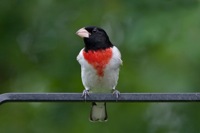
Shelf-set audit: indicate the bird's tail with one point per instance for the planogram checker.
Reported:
(98, 112)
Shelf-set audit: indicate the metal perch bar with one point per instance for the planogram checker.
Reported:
(76, 97)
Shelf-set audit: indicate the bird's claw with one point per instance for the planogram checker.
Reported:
(116, 93)
(85, 94)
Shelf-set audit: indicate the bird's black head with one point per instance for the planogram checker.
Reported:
(95, 38)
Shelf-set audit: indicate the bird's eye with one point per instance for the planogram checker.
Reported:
(94, 30)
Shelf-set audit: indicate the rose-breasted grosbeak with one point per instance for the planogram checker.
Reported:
(100, 62)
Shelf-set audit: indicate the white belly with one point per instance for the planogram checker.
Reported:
(94, 83)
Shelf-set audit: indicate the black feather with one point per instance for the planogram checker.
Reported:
(98, 39)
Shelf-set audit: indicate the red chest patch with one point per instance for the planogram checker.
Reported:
(98, 59)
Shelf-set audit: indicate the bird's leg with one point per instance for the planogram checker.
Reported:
(116, 93)
(85, 93)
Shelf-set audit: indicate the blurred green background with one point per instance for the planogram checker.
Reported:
(159, 42)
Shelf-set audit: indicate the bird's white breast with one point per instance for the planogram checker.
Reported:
(95, 83)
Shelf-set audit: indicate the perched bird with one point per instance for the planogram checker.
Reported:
(100, 61)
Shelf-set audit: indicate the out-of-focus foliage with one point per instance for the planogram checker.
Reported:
(159, 41)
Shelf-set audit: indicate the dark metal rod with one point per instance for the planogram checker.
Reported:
(76, 97)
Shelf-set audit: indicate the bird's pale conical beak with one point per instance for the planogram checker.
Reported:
(83, 33)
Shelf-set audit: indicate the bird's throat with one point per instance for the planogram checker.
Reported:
(98, 59)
